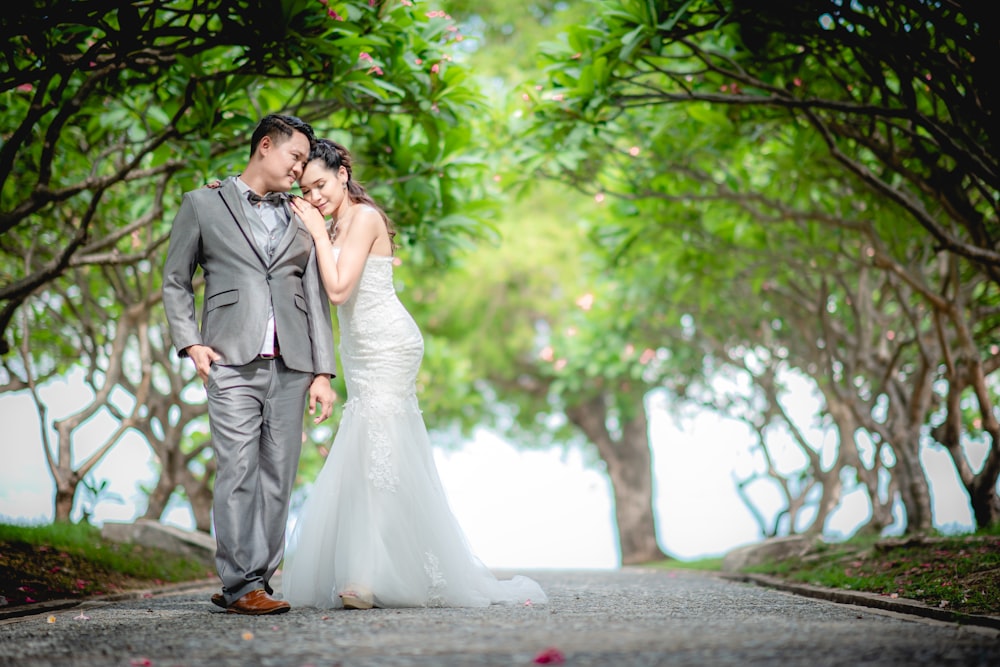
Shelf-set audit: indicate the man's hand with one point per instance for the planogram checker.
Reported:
(321, 392)
(203, 357)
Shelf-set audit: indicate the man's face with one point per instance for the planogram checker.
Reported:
(283, 162)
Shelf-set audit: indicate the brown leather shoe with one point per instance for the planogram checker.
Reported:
(219, 600)
(256, 603)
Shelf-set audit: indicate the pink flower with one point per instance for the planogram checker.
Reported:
(550, 656)
(376, 70)
(435, 68)
(364, 55)
(335, 16)
(25, 87)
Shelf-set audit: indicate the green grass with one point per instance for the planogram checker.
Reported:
(961, 573)
(956, 572)
(70, 560)
(702, 564)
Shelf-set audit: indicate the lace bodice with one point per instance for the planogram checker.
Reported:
(380, 345)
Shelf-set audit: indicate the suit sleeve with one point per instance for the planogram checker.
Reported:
(320, 328)
(178, 272)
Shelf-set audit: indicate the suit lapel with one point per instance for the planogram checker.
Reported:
(231, 197)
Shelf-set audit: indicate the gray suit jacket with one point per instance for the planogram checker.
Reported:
(211, 230)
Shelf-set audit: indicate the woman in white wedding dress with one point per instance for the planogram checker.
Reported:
(376, 528)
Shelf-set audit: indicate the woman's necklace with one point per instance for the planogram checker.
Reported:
(344, 217)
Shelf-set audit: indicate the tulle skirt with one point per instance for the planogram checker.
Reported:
(377, 520)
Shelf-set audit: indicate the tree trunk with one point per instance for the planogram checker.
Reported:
(980, 486)
(200, 498)
(158, 499)
(985, 502)
(913, 488)
(64, 502)
(630, 470)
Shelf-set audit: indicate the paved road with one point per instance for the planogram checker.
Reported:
(621, 618)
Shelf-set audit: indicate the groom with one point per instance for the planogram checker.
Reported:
(265, 340)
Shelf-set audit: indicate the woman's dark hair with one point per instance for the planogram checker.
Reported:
(280, 128)
(335, 156)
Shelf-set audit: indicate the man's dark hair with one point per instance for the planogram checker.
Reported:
(280, 128)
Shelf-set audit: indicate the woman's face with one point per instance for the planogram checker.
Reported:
(324, 188)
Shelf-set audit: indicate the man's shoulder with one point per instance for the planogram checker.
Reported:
(208, 192)
(205, 192)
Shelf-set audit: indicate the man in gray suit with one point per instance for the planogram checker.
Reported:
(265, 341)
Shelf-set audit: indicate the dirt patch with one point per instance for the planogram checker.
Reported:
(37, 573)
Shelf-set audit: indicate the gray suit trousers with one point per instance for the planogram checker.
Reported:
(255, 415)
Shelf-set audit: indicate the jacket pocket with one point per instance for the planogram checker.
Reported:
(300, 303)
(226, 298)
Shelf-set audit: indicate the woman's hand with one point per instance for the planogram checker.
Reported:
(312, 218)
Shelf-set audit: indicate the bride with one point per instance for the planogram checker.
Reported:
(376, 529)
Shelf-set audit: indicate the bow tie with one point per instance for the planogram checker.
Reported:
(273, 198)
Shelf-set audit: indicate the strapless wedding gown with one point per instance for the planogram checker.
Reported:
(376, 518)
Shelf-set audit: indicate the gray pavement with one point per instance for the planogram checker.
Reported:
(609, 618)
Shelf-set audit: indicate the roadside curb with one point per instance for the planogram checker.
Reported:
(864, 599)
(40, 608)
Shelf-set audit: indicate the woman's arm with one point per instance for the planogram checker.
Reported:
(340, 275)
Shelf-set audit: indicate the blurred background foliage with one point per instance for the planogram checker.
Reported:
(603, 205)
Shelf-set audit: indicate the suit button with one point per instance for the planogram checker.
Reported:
(269, 276)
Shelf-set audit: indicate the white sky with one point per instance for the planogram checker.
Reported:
(519, 509)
